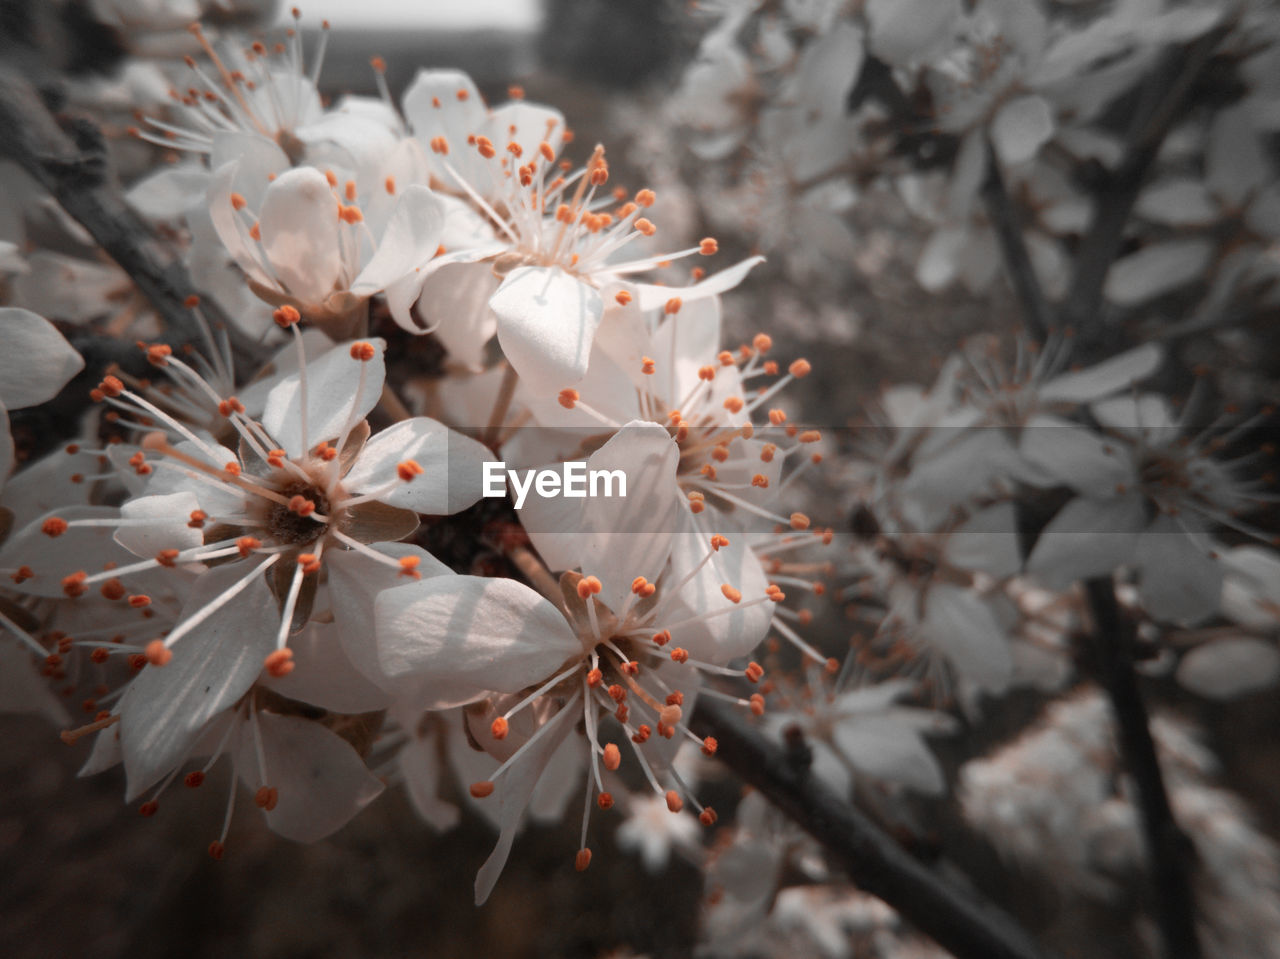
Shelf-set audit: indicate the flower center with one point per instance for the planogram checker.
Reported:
(292, 524)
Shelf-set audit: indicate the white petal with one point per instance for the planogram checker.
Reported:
(1102, 379)
(1087, 461)
(889, 750)
(546, 322)
(320, 780)
(651, 297)
(299, 224)
(1087, 538)
(451, 638)
(169, 192)
(1230, 668)
(331, 398)
(619, 538)
(525, 124)
(167, 524)
(962, 626)
(736, 629)
(323, 675)
(446, 103)
(1178, 201)
(904, 30)
(452, 467)
(86, 548)
(988, 541)
(1251, 593)
(355, 581)
(410, 240)
(1180, 581)
(1021, 128)
(1157, 269)
(165, 708)
(36, 362)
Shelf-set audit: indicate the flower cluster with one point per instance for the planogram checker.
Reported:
(256, 538)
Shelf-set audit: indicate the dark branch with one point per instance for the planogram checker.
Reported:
(1159, 103)
(1037, 316)
(959, 920)
(73, 168)
(1170, 853)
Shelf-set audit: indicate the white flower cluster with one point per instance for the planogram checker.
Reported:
(232, 549)
(272, 548)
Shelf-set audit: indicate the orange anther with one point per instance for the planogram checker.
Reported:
(363, 351)
(622, 297)
(674, 802)
(810, 436)
(409, 567)
(140, 601)
(286, 316)
(799, 368)
(612, 757)
(499, 728)
(148, 809)
(279, 663)
(757, 704)
(646, 227)
(157, 653)
(754, 671)
(229, 406)
(662, 637)
(708, 246)
(247, 544)
(301, 505)
(708, 816)
(777, 417)
(193, 780)
(486, 148)
(408, 469)
(112, 589)
(595, 678)
(481, 789)
(672, 306)
(350, 214)
(670, 714)
(568, 398)
(734, 404)
(73, 585)
(582, 860)
(238, 202)
(266, 798)
(731, 594)
(709, 746)
(54, 526)
(605, 801)
(718, 541)
(379, 65)
(680, 655)
(646, 198)
(217, 850)
(760, 480)
(309, 562)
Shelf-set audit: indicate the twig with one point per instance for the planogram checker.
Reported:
(1170, 853)
(1169, 84)
(1036, 314)
(960, 921)
(73, 170)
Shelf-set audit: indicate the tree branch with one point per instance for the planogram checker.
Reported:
(1159, 104)
(74, 170)
(1170, 853)
(1037, 316)
(960, 921)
